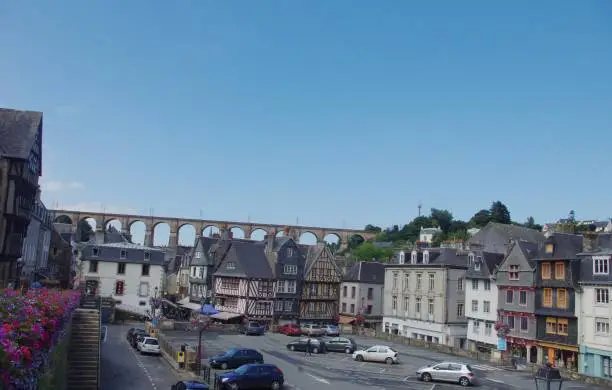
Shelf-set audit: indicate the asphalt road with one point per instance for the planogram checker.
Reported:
(122, 367)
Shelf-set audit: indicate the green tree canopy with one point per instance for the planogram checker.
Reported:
(84, 231)
(368, 252)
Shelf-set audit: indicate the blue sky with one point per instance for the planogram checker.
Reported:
(339, 113)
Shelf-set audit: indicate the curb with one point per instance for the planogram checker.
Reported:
(180, 373)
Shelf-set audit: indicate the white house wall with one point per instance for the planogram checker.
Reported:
(481, 295)
(587, 311)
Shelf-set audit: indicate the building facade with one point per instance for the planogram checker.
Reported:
(319, 299)
(131, 274)
(481, 297)
(35, 251)
(287, 261)
(424, 296)
(20, 170)
(362, 292)
(593, 306)
(201, 267)
(557, 276)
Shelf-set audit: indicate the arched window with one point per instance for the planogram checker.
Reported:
(426, 257)
(402, 257)
(413, 257)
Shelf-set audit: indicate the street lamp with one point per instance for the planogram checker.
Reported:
(546, 376)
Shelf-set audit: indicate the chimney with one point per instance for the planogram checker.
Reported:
(269, 239)
(227, 234)
(589, 241)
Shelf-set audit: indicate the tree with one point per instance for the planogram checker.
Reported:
(368, 251)
(530, 223)
(480, 219)
(442, 218)
(499, 213)
(372, 229)
(84, 231)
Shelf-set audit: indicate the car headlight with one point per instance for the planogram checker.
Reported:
(224, 379)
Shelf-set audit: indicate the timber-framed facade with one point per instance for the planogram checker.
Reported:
(320, 291)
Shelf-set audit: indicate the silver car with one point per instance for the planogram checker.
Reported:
(448, 372)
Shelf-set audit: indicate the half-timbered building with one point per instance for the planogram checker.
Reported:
(20, 169)
(320, 285)
(243, 280)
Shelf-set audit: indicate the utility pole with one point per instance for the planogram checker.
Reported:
(420, 206)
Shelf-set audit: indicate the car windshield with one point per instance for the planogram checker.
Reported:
(152, 342)
(230, 352)
(242, 370)
(332, 327)
(316, 327)
(253, 324)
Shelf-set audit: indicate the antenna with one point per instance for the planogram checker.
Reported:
(201, 214)
(420, 206)
(297, 221)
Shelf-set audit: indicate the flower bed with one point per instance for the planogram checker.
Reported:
(31, 325)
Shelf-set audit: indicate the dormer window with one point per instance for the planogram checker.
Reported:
(289, 252)
(413, 257)
(95, 252)
(426, 257)
(230, 265)
(123, 254)
(477, 266)
(402, 257)
(198, 255)
(550, 248)
(470, 259)
(147, 255)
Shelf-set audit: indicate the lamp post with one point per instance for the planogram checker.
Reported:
(548, 378)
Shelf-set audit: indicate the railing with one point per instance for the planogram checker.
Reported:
(99, 304)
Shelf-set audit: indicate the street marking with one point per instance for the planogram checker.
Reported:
(316, 378)
(105, 334)
(496, 381)
(433, 387)
(361, 365)
(142, 366)
(382, 370)
(346, 358)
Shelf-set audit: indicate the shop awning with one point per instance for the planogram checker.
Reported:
(133, 310)
(192, 306)
(224, 315)
(345, 320)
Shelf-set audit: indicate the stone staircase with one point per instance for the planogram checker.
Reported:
(84, 355)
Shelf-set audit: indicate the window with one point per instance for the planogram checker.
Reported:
(280, 286)
(432, 281)
(288, 306)
(353, 292)
(547, 297)
(470, 259)
(562, 326)
(487, 285)
(474, 284)
(120, 268)
(406, 281)
(509, 296)
(289, 252)
(546, 271)
(602, 326)
(486, 307)
(606, 362)
(417, 306)
(147, 255)
(476, 328)
(488, 328)
(550, 248)
(230, 265)
(460, 284)
(145, 269)
(551, 325)
(143, 289)
(95, 252)
(562, 298)
(369, 309)
(394, 281)
(406, 304)
(370, 293)
(524, 324)
(413, 257)
(291, 286)
(123, 254)
(460, 310)
(278, 306)
(474, 305)
(513, 272)
(352, 308)
(394, 303)
(560, 270)
(510, 322)
(523, 298)
(602, 295)
(477, 266)
(418, 282)
(401, 257)
(344, 291)
(230, 283)
(265, 287)
(430, 309)
(93, 266)
(601, 265)
(119, 287)
(344, 307)
(290, 269)
(426, 257)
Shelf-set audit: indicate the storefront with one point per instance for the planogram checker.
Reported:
(522, 349)
(595, 362)
(560, 355)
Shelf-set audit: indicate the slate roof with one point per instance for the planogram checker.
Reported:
(18, 131)
(250, 256)
(495, 237)
(203, 243)
(488, 265)
(602, 247)
(566, 246)
(112, 253)
(529, 250)
(438, 257)
(366, 272)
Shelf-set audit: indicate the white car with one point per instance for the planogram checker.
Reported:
(149, 345)
(377, 353)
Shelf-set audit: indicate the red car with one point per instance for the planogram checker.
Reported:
(290, 330)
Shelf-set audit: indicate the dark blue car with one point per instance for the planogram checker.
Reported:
(189, 385)
(252, 376)
(255, 329)
(235, 357)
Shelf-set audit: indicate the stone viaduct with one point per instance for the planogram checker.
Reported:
(199, 225)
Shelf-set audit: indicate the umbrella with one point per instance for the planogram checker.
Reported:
(208, 310)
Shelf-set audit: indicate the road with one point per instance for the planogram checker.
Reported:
(122, 367)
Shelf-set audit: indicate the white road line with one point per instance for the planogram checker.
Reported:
(432, 387)
(496, 381)
(105, 334)
(142, 366)
(345, 358)
(316, 378)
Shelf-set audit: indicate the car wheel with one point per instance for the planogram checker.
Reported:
(348, 350)
(224, 366)
(463, 381)
(389, 361)
(359, 358)
(292, 348)
(275, 385)
(426, 377)
(315, 350)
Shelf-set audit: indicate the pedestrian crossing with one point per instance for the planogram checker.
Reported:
(485, 367)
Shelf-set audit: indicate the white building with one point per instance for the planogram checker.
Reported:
(129, 273)
(424, 296)
(481, 296)
(362, 292)
(427, 234)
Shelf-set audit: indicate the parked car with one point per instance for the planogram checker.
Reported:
(149, 345)
(189, 385)
(316, 345)
(253, 376)
(235, 357)
(138, 337)
(340, 344)
(448, 372)
(331, 330)
(132, 332)
(377, 353)
(312, 330)
(254, 328)
(290, 330)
